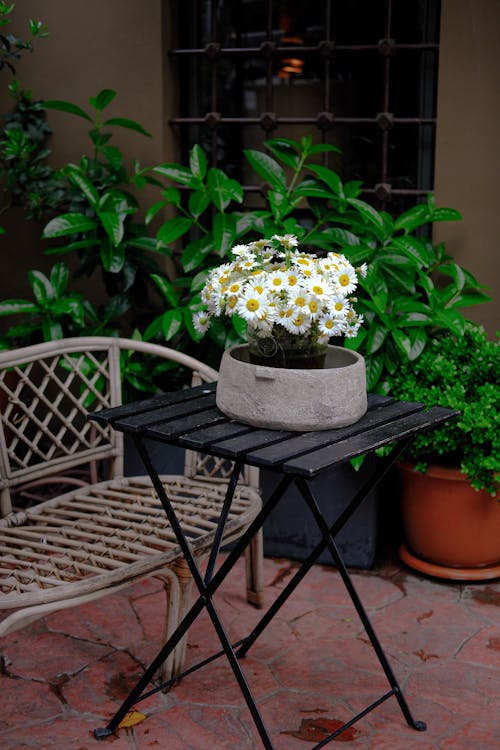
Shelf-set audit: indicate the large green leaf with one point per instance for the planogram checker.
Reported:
(124, 122)
(415, 217)
(369, 214)
(376, 286)
(455, 272)
(198, 203)
(224, 232)
(166, 288)
(171, 323)
(51, 329)
(222, 189)
(113, 258)
(68, 224)
(446, 214)
(267, 168)
(413, 247)
(17, 306)
(195, 253)
(115, 157)
(329, 177)
(59, 277)
(62, 106)
(402, 342)
(310, 187)
(113, 226)
(376, 336)
(102, 99)
(42, 288)
(177, 173)
(77, 178)
(173, 229)
(285, 150)
(198, 162)
(374, 367)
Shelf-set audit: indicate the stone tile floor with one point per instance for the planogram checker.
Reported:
(68, 673)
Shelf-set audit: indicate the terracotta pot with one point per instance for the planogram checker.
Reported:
(451, 530)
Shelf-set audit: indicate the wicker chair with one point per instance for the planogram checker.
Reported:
(98, 536)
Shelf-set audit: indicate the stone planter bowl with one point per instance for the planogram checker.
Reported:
(287, 399)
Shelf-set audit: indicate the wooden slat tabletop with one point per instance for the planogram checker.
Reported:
(190, 418)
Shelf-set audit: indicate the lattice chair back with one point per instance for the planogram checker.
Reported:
(46, 392)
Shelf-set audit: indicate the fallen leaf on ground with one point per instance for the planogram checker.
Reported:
(131, 719)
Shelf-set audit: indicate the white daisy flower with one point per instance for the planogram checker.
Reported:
(362, 270)
(298, 323)
(240, 250)
(252, 304)
(330, 326)
(314, 307)
(339, 306)
(319, 287)
(292, 278)
(345, 278)
(201, 322)
(287, 240)
(276, 281)
(299, 297)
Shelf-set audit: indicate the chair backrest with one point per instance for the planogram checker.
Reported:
(46, 392)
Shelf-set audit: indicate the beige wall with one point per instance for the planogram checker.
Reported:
(93, 44)
(467, 150)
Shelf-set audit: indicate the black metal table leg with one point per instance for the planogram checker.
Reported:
(310, 560)
(206, 588)
(351, 590)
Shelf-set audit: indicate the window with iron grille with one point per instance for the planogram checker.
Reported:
(359, 74)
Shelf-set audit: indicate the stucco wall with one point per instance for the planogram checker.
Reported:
(467, 152)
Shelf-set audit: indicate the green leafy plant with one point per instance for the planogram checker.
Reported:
(98, 224)
(413, 289)
(460, 372)
(53, 311)
(29, 181)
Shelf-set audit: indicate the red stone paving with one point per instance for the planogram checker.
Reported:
(65, 675)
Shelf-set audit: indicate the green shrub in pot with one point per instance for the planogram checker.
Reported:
(463, 373)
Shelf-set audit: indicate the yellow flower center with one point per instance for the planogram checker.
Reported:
(344, 279)
(232, 301)
(318, 289)
(328, 324)
(292, 280)
(300, 301)
(339, 306)
(234, 287)
(313, 306)
(252, 305)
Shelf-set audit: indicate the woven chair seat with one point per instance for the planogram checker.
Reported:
(85, 538)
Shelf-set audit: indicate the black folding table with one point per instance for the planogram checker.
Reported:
(190, 419)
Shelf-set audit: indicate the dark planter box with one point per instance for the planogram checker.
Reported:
(290, 531)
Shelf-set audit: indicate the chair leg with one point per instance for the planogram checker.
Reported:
(185, 583)
(172, 616)
(254, 556)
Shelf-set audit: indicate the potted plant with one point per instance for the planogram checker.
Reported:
(450, 477)
(291, 303)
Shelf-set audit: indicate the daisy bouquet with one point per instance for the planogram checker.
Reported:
(290, 299)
